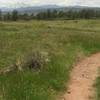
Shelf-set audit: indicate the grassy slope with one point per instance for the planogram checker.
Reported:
(62, 40)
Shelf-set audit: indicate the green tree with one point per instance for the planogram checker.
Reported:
(15, 15)
(54, 13)
(0, 15)
(8, 16)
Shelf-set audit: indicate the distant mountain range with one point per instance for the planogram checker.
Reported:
(31, 8)
(36, 9)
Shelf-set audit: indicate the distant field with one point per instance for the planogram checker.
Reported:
(64, 41)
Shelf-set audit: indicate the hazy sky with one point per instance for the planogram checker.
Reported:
(15, 3)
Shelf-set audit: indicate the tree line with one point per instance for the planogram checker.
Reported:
(51, 14)
(70, 14)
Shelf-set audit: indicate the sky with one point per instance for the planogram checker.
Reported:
(17, 3)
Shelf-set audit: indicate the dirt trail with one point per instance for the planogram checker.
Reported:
(82, 80)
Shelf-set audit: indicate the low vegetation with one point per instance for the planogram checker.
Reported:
(97, 85)
(48, 49)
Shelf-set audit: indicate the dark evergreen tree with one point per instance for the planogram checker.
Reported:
(8, 15)
(15, 15)
(0, 15)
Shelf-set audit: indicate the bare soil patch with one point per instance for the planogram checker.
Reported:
(82, 79)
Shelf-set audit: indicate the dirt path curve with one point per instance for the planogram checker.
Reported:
(82, 80)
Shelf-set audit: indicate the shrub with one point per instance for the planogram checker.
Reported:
(34, 61)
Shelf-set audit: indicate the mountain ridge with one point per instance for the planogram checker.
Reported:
(34, 9)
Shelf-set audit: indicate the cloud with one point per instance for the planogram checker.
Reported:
(16, 3)
(84, 2)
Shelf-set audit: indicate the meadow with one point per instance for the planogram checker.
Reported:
(63, 42)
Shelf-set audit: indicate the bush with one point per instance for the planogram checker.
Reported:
(34, 61)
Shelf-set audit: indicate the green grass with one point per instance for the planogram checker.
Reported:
(64, 41)
(97, 86)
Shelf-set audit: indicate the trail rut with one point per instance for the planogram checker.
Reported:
(82, 79)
